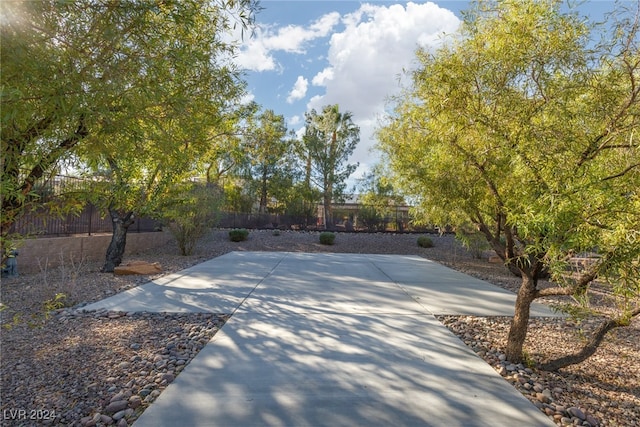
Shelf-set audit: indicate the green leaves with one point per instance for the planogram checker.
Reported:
(330, 138)
(190, 210)
(133, 88)
(520, 125)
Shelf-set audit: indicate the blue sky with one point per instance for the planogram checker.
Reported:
(308, 53)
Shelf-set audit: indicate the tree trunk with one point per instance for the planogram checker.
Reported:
(263, 192)
(307, 174)
(590, 347)
(520, 322)
(328, 214)
(115, 251)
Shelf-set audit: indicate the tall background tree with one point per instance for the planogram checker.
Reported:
(267, 148)
(329, 140)
(93, 80)
(527, 126)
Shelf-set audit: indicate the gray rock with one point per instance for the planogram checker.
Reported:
(123, 395)
(105, 419)
(168, 377)
(576, 412)
(135, 401)
(592, 420)
(119, 415)
(116, 406)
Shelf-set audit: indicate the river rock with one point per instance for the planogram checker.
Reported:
(577, 412)
(116, 406)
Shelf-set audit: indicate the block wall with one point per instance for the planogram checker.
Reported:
(34, 254)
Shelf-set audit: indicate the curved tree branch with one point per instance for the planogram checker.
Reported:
(590, 348)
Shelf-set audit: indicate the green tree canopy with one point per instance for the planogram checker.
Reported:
(378, 199)
(329, 140)
(268, 152)
(526, 126)
(130, 87)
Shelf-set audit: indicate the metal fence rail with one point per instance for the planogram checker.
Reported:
(92, 220)
(89, 221)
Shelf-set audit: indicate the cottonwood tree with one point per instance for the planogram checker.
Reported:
(527, 126)
(330, 138)
(80, 78)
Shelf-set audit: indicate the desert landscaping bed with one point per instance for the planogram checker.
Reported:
(67, 367)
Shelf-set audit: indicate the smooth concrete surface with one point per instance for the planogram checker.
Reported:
(215, 286)
(331, 340)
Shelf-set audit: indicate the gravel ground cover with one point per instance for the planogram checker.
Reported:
(61, 366)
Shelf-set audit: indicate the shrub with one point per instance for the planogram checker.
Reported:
(473, 241)
(238, 234)
(425, 242)
(327, 238)
(370, 218)
(190, 211)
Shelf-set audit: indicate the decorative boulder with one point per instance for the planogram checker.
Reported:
(138, 267)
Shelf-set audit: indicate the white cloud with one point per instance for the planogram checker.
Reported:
(247, 98)
(293, 37)
(295, 120)
(323, 77)
(367, 59)
(299, 90)
(256, 54)
(255, 57)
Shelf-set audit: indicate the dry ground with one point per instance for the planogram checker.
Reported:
(73, 365)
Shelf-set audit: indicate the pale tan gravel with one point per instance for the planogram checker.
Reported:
(75, 364)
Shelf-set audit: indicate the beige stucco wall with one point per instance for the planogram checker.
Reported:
(34, 254)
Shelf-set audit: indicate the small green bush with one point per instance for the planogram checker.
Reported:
(238, 234)
(189, 211)
(327, 238)
(425, 242)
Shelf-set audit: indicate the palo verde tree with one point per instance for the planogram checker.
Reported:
(330, 138)
(527, 126)
(82, 78)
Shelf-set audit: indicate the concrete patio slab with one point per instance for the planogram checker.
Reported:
(215, 286)
(330, 369)
(369, 283)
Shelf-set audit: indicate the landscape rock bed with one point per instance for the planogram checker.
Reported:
(596, 392)
(97, 368)
(105, 368)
